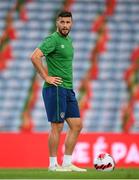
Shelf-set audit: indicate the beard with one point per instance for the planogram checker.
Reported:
(64, 32)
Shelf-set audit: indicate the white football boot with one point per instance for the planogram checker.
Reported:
(57, 168)
(73, 168)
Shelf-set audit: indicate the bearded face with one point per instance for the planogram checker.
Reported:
(64, 25)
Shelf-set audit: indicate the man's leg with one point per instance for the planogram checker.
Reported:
(53, 142)
(75, 126)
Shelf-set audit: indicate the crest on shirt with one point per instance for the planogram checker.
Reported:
(62, 46)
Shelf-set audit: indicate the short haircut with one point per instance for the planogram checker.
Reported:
(64, 14)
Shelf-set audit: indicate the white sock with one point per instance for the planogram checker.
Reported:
(67, 160)
(52, 161)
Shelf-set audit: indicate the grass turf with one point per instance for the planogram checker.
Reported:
(90, 174)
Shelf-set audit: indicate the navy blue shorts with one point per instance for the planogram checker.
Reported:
(60, 104)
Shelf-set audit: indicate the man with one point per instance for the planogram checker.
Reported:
(59, 97)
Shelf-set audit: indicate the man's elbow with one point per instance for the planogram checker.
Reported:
(32, 57)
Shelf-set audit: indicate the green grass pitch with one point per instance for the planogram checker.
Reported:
(90, 174)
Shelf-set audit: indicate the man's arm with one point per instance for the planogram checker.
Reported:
(37, 62)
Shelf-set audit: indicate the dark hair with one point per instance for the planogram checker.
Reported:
(64, 14)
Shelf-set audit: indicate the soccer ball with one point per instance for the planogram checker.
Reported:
(104, 162)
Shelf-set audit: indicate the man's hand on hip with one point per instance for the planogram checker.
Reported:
(54, 80)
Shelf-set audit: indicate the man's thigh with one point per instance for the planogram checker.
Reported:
(55, 103)
(72, 110)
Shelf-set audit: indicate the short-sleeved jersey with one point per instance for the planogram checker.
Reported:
(58, 51)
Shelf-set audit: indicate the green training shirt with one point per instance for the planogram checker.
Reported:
(58, 51)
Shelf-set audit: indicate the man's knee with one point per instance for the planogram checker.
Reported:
(57, 127)
(77, 126)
